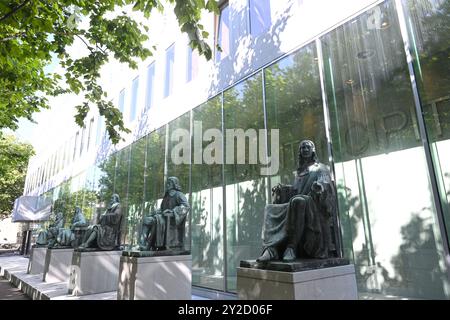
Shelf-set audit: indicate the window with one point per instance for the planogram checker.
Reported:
(192, 64)
(121, 100)
(150, 84)
(134, 93)
(91, 123)
(168, 84)
(83, 131)
(223, 33)
(260, 19)
(100, 123)
(75, 145)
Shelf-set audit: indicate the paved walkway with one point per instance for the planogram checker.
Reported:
(9, 292)
(13, 272)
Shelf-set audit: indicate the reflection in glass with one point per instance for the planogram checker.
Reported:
(154, 169)
(387, 210)
(294, 107)
(136, 191)
(245, 188)
(428, 24)
(179, 150)
(207, 200)
(121, 187)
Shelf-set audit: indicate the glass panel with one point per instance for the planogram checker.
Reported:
(179, 159)
(245, 187)
(121, 188)
(105, 175)
(192, 64)
(99, 134)
(89, 203)
(179, 150)
(386, 205)
(136, 190)
(168, 84)
(207, 200)
(223, 33)
(134, 96)
(260, 17)
(294, 107)
(122, 100)
(428, 24)
(150, 83)
(154, 170)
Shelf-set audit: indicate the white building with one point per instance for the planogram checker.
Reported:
(336, 72)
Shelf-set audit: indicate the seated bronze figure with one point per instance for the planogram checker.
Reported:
(300, 222)
(164, 228)
(106, 234)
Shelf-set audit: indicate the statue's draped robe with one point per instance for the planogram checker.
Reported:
(66, 236)
(304, 221)
(49, 235)
(176, 201)
(109, 228)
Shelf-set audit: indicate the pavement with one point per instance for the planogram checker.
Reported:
(7, 290)
(13, 272)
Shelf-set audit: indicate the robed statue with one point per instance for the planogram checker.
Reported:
(301, 221)
(106, 234)
(49, 235)
(67, 237)
(164, 228)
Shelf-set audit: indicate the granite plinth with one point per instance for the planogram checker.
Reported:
(155, 278)
(37, 260)
(94, 272)
(324, 283)
(57, 264)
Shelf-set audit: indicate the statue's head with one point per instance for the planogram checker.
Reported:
(115, 198)
(306, 152)
(59, 215)
(173, 184)
(77, 210)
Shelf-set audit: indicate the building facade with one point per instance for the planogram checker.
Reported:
(365, 80)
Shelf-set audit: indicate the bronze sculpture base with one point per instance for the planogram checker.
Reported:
(138, 254)
(294, 266)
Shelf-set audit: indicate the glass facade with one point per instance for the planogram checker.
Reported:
(381, 171)
(428, 23)
(350, 91)
(207, 200)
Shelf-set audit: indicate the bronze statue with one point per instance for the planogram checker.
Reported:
(68, 237)
(48, 236)
(106, 234)
(164, 229)
(299, 223)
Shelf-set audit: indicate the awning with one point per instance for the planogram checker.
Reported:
(31, 208)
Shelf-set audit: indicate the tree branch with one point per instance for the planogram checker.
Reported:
(13, 36)
(20, 6)
(87, 45)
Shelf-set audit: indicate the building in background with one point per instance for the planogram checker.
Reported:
(366, 80)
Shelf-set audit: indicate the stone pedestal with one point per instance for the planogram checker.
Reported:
(37, 260)
(94, 272)
(57, 265)
(155, 278)
(329, 283)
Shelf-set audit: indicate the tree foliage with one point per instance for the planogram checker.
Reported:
(14, 157)
(32, 32)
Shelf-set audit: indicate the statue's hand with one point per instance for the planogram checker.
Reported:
(168, 213)
(317, 187)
